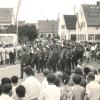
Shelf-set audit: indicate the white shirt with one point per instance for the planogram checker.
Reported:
(79, 92)
(93, 90)
(93, 48)
(51, 92)
(5, 97)
(79, 66)
(18, 47)
(12, 49)
(7, 51)
(44, 83)
(14, 96)
(3, 53)
(97, 78)
(32, 86)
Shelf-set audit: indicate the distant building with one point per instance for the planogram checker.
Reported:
(48, 28)
(67, 27)
(6, 17)
(21, 23)
(88, 24)
(7, 26)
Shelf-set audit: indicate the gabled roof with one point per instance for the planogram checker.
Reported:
(70, 21)
(6, 15)
(48, 26)
(92, 14)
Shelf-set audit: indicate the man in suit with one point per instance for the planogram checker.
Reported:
(23, 61)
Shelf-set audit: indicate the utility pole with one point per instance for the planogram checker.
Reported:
(74, 10)
(16, 22)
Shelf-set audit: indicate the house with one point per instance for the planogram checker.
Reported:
(7, 17)
(67, 27)
(7, 26)
(47, 28)
(21, 23)
(88, 23)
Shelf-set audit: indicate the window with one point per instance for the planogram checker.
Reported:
(63, 26)
(91, 37)
(81, 37)
(97, 37)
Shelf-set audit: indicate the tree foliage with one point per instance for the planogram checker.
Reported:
(27, 33)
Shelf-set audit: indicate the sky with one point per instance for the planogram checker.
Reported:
(33, 10)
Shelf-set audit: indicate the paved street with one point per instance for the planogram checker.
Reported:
(10, 70)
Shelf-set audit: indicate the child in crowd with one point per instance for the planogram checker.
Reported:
(14, 81)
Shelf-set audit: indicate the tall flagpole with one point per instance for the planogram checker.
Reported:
(16, 22)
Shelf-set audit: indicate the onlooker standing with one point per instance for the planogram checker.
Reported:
(97, 77)
(14, 81)
(5, 80)
(92, 88)
(20, 93)
(23, 61)
(87, 52)
(51, 92)
(66, 91)
(12, 56)
(3, 54)
(31, 84)
(93, 48)
(18, 52)
(7, 51)
(45, 82)
(78, 90)
(6, 91)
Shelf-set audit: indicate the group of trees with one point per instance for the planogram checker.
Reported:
(27, 33)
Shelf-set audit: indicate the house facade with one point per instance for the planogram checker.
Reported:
(67, 27)
(88, 23)
(47, 28)
(7, 26)
(7, 17)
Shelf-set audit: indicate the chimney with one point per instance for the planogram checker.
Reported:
(98, 3)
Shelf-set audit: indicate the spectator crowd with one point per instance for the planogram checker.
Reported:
(80, 84)
(65, 75)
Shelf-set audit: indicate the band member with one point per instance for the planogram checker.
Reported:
(23, 61)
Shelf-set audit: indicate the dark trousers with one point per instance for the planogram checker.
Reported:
(7, 61)
(40, 66)
(12, 58)
(68, 66)
(22, 70)
(74, 63)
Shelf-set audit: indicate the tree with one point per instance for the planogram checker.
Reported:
(27, 33)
